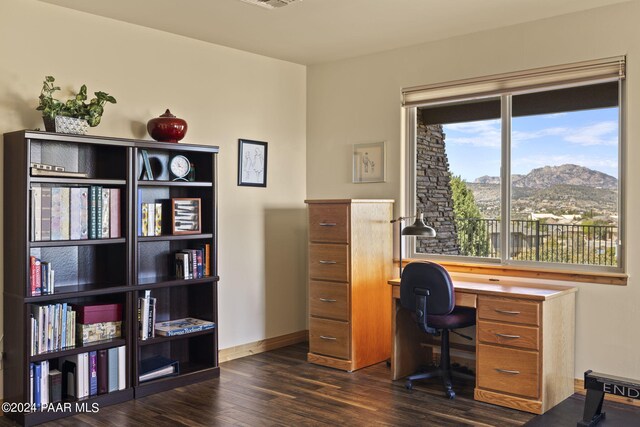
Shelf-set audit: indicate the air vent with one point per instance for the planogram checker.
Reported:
(270, 4)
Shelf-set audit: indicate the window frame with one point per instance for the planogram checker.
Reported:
(408, 243)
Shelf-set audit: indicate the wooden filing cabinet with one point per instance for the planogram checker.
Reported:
(525, 351)
(350, 261)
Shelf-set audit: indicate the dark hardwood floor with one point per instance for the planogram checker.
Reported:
(281, 388)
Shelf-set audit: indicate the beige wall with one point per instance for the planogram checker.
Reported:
(224, 94)
(358, 100)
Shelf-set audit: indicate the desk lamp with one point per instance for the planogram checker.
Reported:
(418, 228)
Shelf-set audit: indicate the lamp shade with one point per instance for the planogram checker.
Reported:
(419, 228)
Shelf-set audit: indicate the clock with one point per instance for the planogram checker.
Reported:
(180, 167)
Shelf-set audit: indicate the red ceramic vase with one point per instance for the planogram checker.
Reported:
(167, 128)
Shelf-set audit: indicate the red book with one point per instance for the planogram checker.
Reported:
(98, 313)
(103, 372)
(36, 276)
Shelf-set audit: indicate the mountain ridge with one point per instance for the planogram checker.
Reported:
(550, 176)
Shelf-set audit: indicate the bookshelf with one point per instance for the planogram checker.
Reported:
(116, 268)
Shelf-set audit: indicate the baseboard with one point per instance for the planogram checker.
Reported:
(261, 346)
(578, 386)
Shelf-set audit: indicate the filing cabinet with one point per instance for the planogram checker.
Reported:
(350, 261)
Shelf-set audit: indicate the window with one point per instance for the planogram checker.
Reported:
(521, 168)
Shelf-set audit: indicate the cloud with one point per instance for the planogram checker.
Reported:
(478, 134)
(602, 133)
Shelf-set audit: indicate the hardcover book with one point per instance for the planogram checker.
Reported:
(112, 369)
(114, 215)
(56, 213)
(36, 214)
(93, 212)
(45, 213)
(145, 219)
(182, 326)
(64, 213)
(93, 373)
(103, 371)
(106, 213)
(158, 219)
(55, 386)
(78, 229)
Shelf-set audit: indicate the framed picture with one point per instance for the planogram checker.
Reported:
(252, 163)
(185, 216)
(369, 162)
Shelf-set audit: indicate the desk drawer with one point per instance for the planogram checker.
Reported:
(509, 310)
(330, 300)
(511, 335)
(508, 370)
(329, 223)
(329, 337)
(329, 262)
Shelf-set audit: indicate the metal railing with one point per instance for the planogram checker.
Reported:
(536, 241)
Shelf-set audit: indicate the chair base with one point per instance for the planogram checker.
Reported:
(445, 374)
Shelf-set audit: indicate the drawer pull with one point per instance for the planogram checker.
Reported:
(328, 300)
(328, 338)
(324, 261)
(507, 336)
(328, 224)
(513, 313)
(507, 371)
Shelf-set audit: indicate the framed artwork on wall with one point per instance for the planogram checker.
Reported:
(252, 163)
(369, 162)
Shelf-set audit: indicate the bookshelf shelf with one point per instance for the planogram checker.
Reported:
(92, 272)
(100, 345)
(84, 242)
(159, 339)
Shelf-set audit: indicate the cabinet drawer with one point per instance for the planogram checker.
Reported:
(330, 300)
(511, 335)
(329, 223)
(508, 370)
(509, 310)
(329, 337)
(329, 262)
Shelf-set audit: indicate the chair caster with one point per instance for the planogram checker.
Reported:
(409, 385)
(451, 394)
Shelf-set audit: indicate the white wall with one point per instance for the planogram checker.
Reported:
(224, 94)
(358, 100)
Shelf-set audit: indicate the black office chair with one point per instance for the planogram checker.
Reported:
(427, 291)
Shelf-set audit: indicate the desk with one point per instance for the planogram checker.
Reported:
(538, 351)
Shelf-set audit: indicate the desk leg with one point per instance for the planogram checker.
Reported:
(407, 353)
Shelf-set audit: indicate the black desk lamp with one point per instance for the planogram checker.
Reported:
(418, 228)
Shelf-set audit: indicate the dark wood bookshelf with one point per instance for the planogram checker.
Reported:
(117, 270)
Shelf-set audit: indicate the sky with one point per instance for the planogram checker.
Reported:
(587, 138)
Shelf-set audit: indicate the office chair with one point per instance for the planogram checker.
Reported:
(427, 291)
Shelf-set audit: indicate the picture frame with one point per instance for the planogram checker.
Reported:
(252, 163)
(369, 162)
(186, 214)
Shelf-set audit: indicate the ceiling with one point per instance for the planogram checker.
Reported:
(315, 31)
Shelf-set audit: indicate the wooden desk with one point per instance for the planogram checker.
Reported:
(525, 341)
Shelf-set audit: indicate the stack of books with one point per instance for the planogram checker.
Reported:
(146, 316)
(42, 277)
(74, 213)
(45, 384)
(182, 326)
(151, 219)
(193, 263)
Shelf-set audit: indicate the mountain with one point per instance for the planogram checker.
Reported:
(550, 176)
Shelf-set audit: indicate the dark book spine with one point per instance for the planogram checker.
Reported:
(55, 386)
(103, 372)
(93, 373)
(93, 220)
(99, 212)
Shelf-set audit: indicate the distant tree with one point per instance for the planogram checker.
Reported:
(473, 238)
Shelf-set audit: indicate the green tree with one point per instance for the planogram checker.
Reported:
(473, 238)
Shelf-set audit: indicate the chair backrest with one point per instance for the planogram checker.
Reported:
(427, 285)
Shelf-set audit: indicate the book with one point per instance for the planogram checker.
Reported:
(99, 212)
(106, 213)
(44, 382)
(147, 166)
(56, 213)
(93, 373)
(103, 371)
(36, 214)
(122, 368)
(207, 257)
(45, 213)
(112, 369)
(37, 385)
(114, 200)
(157, 367)
(151, 219)
(84, 374)
(182, 326)
(64, 213)
(78, 206)
(62, 174)
(158, 219)
(31, 370)
(55, 386)
(36, 276)
(145, 219)
(93, 212)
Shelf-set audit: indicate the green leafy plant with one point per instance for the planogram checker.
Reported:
(77, 106)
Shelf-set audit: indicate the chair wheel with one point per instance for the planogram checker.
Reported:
(409, 385)
(451, 394)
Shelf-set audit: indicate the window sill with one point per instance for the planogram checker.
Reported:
(618, 279)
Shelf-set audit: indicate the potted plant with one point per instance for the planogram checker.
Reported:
(74, 115)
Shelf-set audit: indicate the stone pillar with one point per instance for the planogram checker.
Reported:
(434, 196)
